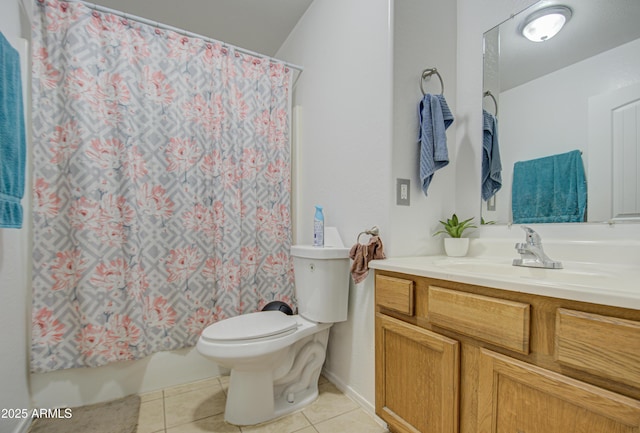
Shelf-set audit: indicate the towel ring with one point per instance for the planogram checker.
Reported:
(426, 74)
(374, 231)
(495, 103)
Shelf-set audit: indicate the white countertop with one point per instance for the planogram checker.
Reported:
(606, 284)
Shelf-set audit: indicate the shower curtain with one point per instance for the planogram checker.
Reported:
(161, 186)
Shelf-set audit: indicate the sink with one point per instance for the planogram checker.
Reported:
(575, 274)
(599, 272)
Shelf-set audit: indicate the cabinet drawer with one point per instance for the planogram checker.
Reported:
(395, 294)
(496, 321)
(605, 346)
(514, 396)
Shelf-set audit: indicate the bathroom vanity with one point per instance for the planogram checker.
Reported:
(462, 346)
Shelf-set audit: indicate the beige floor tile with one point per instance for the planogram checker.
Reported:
(212, 424)
(356, 421)
(179, 389)
(288, 424)
(194, 405)
(329, 404)
(151, 416)
(153, 395)
(224, 381)
(309, 429)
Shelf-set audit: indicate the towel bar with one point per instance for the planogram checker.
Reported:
(490, 95)
(373, 231)
(426, 74)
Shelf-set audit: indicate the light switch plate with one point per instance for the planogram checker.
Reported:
(491, 203)
(403, 192)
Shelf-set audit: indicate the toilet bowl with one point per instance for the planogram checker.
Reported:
(271, 374)
(276, 359)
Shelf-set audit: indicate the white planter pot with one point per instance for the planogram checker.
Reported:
(456, 247)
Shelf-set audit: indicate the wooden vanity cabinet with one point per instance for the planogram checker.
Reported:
(453, 357)
(514, 396)
(417, 370)
(418, 377)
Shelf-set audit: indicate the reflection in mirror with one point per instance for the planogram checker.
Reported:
(580, 91)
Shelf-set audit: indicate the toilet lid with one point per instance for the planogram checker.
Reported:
(250, 326)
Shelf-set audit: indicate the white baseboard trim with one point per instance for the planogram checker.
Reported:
(365, 404)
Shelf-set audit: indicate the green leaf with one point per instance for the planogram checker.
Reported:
(454, 227)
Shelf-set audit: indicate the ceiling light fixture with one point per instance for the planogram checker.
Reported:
(545, 23)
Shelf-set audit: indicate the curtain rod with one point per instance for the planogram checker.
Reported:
(181, 31)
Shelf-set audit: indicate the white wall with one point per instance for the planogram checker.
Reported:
(14, 272)
(424, 37)
(344, 153)
(359, 129)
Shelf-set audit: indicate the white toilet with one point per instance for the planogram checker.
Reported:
(276, 359)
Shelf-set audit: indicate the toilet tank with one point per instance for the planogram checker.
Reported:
(321, 282)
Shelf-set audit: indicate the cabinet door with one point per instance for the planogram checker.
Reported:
(516, 397)
(417, 378)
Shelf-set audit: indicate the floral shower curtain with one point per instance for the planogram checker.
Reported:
(161, 186)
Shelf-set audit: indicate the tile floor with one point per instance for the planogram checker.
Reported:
(199, 407)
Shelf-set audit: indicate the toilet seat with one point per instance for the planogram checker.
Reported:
(252, 326)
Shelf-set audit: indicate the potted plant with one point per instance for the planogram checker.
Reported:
(456, 245)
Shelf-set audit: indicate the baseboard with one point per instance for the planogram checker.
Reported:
(365, 404)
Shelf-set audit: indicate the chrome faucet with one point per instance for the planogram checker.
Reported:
(532, 254)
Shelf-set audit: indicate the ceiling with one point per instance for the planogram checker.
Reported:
(256, 25)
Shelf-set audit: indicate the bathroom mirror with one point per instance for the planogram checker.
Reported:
(577, 90)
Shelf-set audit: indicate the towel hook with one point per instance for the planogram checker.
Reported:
(426, 74)
(373, 231)
(490, 95)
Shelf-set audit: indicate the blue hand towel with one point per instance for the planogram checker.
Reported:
(12, 137)
(549, 190)
(491, 166)
(435, 118)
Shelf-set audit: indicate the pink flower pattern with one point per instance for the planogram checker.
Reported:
(90, 340)
(110, 276)
(80, 84)
(155, 87)
(47, 202)
(154, 201)
(43, 70)
(112, 90)
(182, 154)
(199, 320)
(182, 262)
(159, 313)
(134, 164)
(46, 329)
(65, 142)
(107, 153)
(161, 187)
(67, 269)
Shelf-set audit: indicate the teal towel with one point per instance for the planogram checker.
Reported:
(12, 137)
(552, 189)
